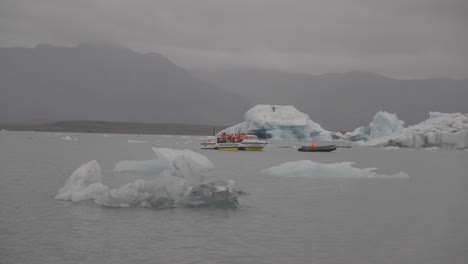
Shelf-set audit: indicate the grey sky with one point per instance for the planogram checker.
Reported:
(400, 38)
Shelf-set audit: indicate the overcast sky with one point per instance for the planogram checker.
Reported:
(400, 38)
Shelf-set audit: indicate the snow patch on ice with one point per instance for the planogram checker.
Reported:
(279, 122)
(307, 168)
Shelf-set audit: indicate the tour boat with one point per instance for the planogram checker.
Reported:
(248, 142)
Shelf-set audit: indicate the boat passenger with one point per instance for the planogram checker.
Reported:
(241, 137)
(312, 145)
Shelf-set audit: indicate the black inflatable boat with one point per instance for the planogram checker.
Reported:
(317, 149)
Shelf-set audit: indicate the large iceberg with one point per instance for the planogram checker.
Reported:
(182, 183)
(310, 169)
(439, 130)
(279, 122)
(383, 124)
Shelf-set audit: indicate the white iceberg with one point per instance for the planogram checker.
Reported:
(307, 168)
(440, 130)
(383, 124)
(67, 138)
(279, 122)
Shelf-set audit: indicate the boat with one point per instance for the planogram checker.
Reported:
(317, 149)
(252, 143)
(248, 142)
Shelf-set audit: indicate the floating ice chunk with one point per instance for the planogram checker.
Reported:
(307, 168)
(383, 124)
(181, 185)
(198, 160)
(156, 166)
(279, 122)
(136, 141)
(83, 184)
(68, 138)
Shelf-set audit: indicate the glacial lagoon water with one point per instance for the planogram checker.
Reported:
(420, 219)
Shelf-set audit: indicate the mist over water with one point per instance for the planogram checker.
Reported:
(420, 219)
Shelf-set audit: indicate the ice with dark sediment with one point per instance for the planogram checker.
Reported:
(181, 184)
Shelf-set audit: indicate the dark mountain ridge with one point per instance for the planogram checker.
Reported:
(96, 81)
(343, 101)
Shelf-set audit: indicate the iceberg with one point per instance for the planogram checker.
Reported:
(310, 169)
(67, 138)
(181, 184)
(441, 130)
(383, 124)
(279, 122)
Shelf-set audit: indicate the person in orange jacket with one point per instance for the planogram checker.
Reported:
(312, 145)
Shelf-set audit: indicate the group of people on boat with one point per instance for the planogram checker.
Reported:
(230, 138)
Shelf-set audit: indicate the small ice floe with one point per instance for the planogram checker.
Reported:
(310, 169)
(67, 138)
(432, 148)
(136, 141)
(390, 148)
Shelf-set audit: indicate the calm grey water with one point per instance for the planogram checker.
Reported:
(423, 219)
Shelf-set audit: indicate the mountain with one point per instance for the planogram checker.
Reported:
(102, 81)
(344, 101)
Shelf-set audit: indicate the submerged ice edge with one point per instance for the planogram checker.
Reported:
(342, 170)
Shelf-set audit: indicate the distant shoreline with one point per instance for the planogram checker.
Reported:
(109, 127)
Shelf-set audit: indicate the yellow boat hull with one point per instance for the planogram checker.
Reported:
(228, 148)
